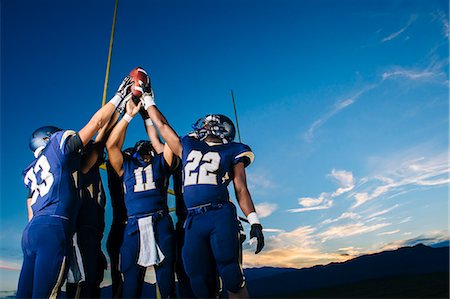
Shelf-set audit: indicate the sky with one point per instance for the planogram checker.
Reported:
(344, 103)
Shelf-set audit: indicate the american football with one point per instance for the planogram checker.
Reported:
(140, 79)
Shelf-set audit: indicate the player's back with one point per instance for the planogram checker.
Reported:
(93, 200)
(52, 178)
(208, 169)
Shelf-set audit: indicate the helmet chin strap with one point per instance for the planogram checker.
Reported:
(38, 151)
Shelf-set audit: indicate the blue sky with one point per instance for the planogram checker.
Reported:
(345, 104)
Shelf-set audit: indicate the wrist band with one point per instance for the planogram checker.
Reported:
(148, 101)
(148, 122)
(253, 218)
(127, 118)
(116, 100)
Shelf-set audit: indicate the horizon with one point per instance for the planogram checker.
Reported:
(344, 103)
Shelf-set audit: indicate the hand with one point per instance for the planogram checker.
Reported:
(148, 97)
(121, 107)
(256, 232)
(124, 87)
(133, 109)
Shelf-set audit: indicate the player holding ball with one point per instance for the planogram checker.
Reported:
(210, 161)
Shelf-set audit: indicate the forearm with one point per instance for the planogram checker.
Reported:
(117, 136)
(166, 131)
(98, 121)
(153, 136)
(245, 201)
(104, 132)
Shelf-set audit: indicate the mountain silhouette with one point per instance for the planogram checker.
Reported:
(409, 266)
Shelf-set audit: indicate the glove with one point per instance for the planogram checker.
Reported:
(148, 97)
(256, 232)
(123, 103)
(124, 87)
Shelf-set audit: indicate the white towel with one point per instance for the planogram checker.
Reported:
(149, 252)
(76, 270)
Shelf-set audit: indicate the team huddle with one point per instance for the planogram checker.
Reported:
(66, 201)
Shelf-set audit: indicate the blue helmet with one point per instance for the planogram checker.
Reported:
(217, 125)
(143, 148)
(41, 136)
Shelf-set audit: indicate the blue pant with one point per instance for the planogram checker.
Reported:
(46, 244)
(212, 242)
(133, 274)
(89, 240)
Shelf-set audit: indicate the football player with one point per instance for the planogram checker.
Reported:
(115, 236)
(90, 223)
(53, 201)
(149, 234)
(210, 161)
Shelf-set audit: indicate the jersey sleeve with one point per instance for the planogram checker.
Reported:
(243, 154)
(69, 142)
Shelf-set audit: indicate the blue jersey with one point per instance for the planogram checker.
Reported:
(52, 179)
(145, 184)
(208, 169)
(93, 200)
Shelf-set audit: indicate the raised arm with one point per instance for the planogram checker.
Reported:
(160, 122)
(96, 151)
(117, 137)
(246, 203)
(151, 131)
(103, 115)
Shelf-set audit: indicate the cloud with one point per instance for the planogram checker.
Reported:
(345, 215)
(443, 19)
(348, 230)
(338, 106)
(389, 232)
(323, 202)
(345, 180)
(379, 213)
(402, 176)
(297, 249)
(429, 238)
(10, 265)
(410, 74)
(397, 33)
(265, 209)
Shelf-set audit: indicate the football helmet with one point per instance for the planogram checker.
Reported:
(143, 147)
(40, 137)
(217, 125)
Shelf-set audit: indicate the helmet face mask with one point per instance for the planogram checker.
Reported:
(41, 136)
(215, 125)
(143, 150)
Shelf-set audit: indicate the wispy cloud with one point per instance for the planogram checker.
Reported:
(338, 106)
(389, 232)
(379, 213)
(325, 200)
(345, 180)
(348, 230)
(265, 209)
(345, 215)
(398, 32)
(410, 74)
(10, 265)
(429, 238)
(443, 19)
(414, 172)
(297, 249)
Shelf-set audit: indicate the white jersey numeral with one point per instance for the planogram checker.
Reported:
(140, 184)
(206, 172)
(46, 176)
